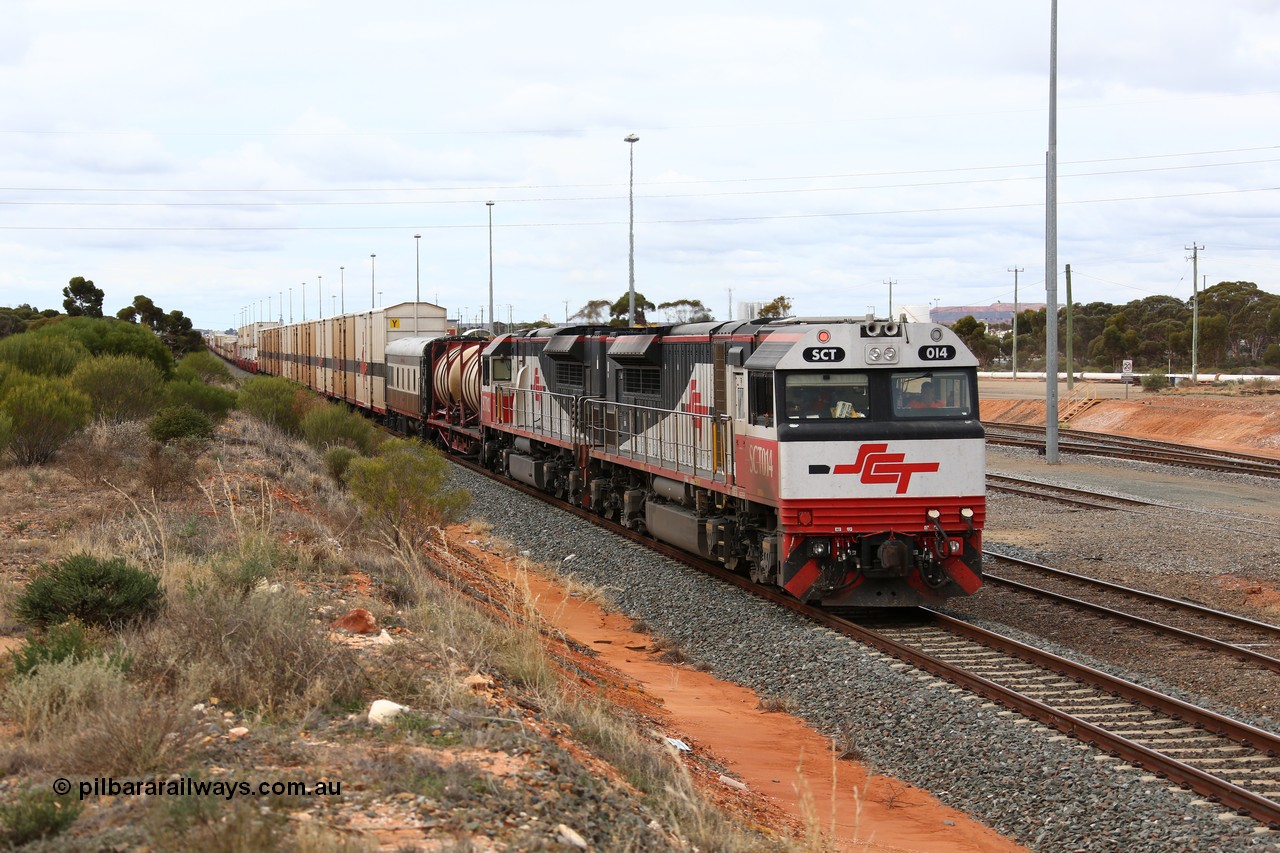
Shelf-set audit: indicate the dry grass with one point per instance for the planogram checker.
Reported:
(260, 652)
(87, 717)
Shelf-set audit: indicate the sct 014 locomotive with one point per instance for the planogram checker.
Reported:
(841, 459)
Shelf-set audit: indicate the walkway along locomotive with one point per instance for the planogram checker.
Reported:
(839, 458)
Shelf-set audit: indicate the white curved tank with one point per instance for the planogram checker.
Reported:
(457, 376)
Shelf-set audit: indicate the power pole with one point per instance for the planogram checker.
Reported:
(1195, 307)
(890, 282)
(1015, 271)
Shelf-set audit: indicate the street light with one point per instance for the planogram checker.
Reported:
(417, 278)
(304, 302)
(489, 204)
(373, 272)
(320, 296)
(342, 287)
(631, 231)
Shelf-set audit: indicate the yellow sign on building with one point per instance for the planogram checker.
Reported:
(393, 323)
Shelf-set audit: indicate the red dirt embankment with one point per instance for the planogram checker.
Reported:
(1247, 424)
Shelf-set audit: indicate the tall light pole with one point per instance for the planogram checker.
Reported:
(304, 302)
(373, 273)
(489, 205)
(342, 287)
(417, 278)
(631, 141)
(320, 297)
(1051, 252)
(282, 308)
(1015, 271)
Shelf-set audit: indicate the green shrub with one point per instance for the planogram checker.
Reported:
(274, 400)
(95, 591)
(334, 424)
(1155, 381)
(177, 422)
(45, 413)
(213, 401)
(337, 460)
(109, 336)
(404, 491)
(121, 387)
(42, 356)
(70, 640)
(38, 813)
(203, 366)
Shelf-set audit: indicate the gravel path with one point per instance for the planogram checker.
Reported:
(1027, 782)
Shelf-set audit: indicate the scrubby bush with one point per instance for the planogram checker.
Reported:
(337, 460)
(333, 424)
(404, 491)
(70, 640)
(177, 422)
(92, 590)
(1155, 381)
(213, 401)
(261, 651)
(38, 813)
(84, 716)
(121, 387)
(203, 366)
(42, 356)
(276, 401)
(45, 413)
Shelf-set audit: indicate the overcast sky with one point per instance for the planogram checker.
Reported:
(224, 158)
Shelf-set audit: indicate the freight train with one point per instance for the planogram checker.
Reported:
(841, 459)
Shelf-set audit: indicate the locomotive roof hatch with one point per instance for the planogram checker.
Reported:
(567, 346)
(636, 349)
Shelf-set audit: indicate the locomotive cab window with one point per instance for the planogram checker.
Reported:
(826, 396)
(760, 397)
(499, 369)
(932, 394)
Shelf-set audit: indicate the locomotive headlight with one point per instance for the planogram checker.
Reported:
(891, 354)
(873, 354)
(819, 547)
(936, 334)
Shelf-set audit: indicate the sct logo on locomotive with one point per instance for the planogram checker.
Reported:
(879, 467)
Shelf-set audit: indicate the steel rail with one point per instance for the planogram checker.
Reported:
(1201, 640)
(1134, 592)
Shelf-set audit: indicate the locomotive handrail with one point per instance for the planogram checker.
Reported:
(693, 443)
(545, 412)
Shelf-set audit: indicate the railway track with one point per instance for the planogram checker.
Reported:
(1187, 622)
(1219, 520)
(1224, 760)
(1142, 450)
